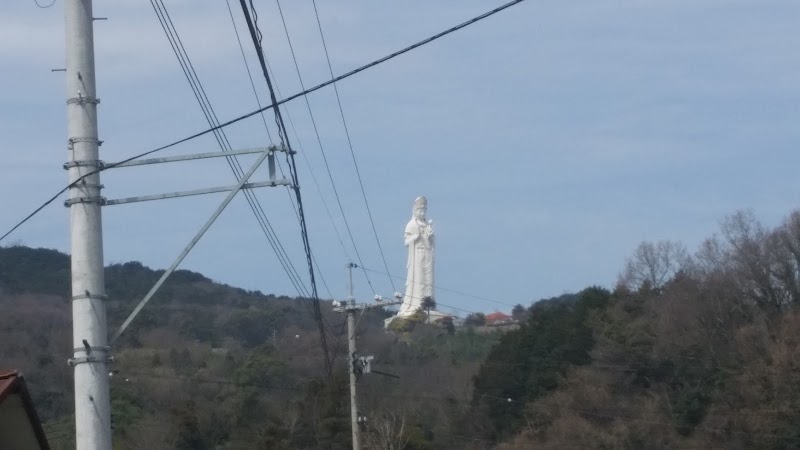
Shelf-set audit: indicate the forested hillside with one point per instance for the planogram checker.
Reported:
(694, 350)
(209, 366)
(689, 350)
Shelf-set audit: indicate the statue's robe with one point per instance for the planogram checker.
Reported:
(419, 268)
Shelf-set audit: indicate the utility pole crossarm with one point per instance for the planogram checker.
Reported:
(265, 152)
(169, 159)
(351, 305)
(189, 246)
(212, 190)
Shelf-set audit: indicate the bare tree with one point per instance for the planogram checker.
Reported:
(652, 265)
(387, 431)
(756, 256)
(786, 243)
(291, 419)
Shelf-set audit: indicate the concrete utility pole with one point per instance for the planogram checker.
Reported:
(350, 307)
(91, 353)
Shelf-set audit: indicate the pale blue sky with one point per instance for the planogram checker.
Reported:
(550, 139)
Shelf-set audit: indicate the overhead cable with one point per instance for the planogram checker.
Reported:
(350, 144)
(269, 135)
(260, 110)
(255, 35)
(321, 148)
(222, 140)
(477, 297)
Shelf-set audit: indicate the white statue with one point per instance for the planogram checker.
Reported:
(419, 276)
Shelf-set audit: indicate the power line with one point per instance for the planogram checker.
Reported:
(222, 140)
(249, 74)
(205, 104)
(321, 147)
(316, 185)
(36, 211)
(319, 190)
(477, 297)
(275, 104)
(448, 306)
(255, 35)
(310, 171)
(269, 135)
(250, 195)
(350, 144)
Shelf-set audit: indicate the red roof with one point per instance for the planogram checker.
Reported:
(498, 316)
(17, 407)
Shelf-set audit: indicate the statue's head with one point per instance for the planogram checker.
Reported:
(420, 207)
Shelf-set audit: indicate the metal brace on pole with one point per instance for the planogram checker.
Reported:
(189, 246)
(169, 159)
(145, 198)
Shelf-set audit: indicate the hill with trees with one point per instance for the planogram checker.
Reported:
(689, 350)
(209, 366)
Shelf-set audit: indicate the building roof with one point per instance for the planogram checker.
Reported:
(7, 381)
(20, 427)
(494, 317)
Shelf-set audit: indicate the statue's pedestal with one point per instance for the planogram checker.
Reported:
(436, 315)
(429, 318)
(386, 322)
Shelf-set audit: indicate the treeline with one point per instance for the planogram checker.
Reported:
(208, 366)
(690, 350)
